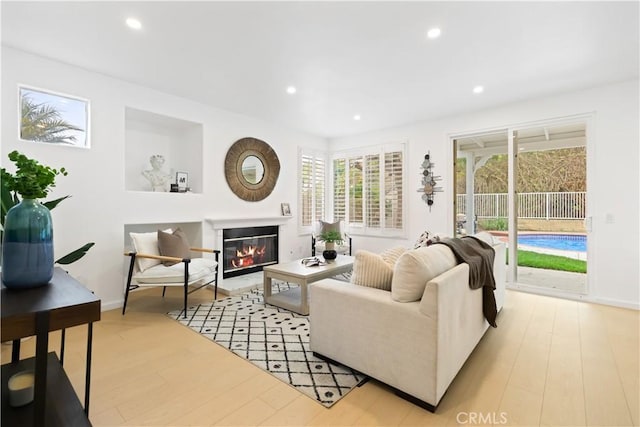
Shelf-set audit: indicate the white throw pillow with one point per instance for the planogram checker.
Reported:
(427, 238)
(146, 243)
(373, 270)
(416, 268)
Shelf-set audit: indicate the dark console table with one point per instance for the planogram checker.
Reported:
(61, 304)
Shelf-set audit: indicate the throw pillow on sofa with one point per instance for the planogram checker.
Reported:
(375, 270)
(427, 238)
(417, 267)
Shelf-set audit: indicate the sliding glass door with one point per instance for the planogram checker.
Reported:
(527, 187)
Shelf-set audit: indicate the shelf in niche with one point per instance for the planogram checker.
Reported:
(179, 141)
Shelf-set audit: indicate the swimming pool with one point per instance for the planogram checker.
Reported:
(563, 242)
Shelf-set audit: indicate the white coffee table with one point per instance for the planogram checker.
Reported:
(295, 272)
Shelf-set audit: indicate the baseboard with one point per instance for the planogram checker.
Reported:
(617, 303)
(111, 305)
(574, 296)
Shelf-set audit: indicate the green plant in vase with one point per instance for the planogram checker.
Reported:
(330, 238)
(27, 230)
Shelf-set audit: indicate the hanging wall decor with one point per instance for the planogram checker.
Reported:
(251, 168)
(428, 187)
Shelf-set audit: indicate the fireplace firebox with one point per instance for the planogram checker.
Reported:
(248, 249)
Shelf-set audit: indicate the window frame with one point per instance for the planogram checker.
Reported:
(61, 97)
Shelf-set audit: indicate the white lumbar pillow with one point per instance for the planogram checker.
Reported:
(146, 243)
(416, 267)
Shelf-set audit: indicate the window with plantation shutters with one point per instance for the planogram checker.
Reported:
(393, 199)
(312, 188)
(339, 190)
(372, 190)
(355, 196)
(368, 190)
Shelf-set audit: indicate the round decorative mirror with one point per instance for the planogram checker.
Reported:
(251, 168)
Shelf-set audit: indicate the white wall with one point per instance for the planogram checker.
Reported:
(100, 206)
(612, 184)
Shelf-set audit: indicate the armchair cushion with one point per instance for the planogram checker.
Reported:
(373, 270)
(161, 274)
(146, 243)
(174, 245)
(329, 226)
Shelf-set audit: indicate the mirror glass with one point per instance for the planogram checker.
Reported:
(252, 169)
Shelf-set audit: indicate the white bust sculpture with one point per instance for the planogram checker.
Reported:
(158, 178)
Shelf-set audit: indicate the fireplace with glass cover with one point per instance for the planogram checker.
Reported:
(248, 249)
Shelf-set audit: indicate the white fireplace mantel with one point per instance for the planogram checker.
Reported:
(222, 223)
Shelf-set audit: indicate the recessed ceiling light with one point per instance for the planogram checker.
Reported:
(134, 23)
(291, 90)
(478, 89)
(356, 117)
(434, 33)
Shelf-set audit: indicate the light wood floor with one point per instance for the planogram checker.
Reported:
(550, 362)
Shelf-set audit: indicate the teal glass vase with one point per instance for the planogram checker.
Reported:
(27, 246)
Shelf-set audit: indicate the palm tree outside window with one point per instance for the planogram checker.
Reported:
(55, 119)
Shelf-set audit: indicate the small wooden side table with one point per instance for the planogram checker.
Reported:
(61, 304)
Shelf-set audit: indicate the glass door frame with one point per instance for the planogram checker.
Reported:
(588, 119)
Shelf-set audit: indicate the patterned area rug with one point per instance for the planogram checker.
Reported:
(273, 339)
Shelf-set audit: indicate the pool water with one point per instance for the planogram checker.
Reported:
(563, 242)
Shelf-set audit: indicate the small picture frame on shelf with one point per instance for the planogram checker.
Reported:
(286, 209)
(182, 181)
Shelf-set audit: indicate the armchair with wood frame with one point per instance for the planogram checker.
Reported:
(164, 259)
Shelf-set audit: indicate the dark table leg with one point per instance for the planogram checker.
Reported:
(87, 383)
(62, 337)
(42, 346)
(15, 351)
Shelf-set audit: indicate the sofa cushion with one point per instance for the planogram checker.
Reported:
(417, 267)
(375, 270)
(173, 244)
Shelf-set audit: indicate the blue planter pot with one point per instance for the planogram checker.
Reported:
(27, 249)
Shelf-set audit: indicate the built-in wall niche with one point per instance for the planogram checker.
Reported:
(178, 141)
(193, 231)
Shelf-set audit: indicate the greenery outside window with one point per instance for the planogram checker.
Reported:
(368, 190)
(312, 188)
(52, 118)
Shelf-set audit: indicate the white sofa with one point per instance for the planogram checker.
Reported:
(416, 347)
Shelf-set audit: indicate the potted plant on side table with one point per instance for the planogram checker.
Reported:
(330, 238)
(27, 230)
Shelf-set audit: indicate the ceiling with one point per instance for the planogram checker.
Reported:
(372, 59)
